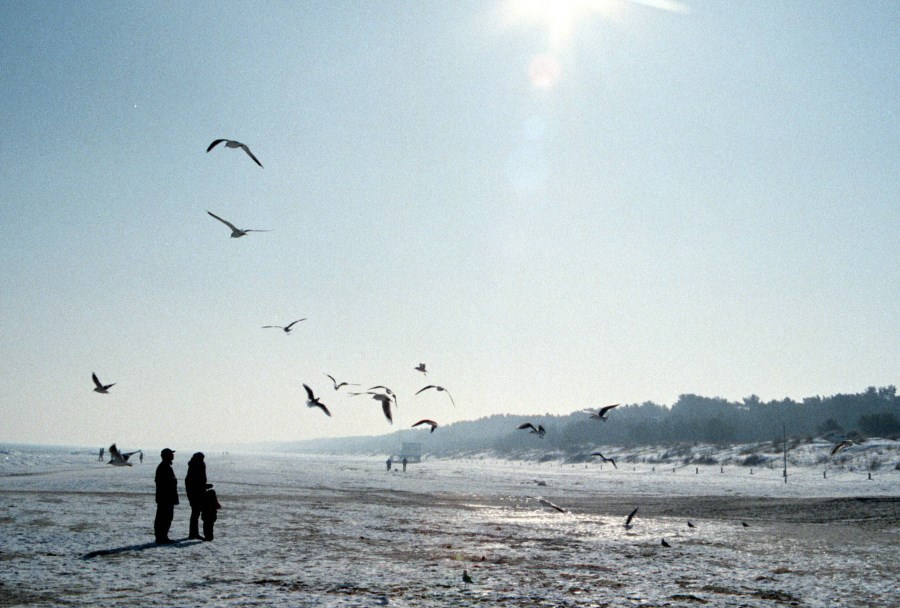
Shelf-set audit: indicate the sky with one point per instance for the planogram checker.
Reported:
(554, 205)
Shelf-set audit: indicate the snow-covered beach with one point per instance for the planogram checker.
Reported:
(298, 530)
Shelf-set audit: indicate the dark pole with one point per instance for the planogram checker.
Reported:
(784, 434)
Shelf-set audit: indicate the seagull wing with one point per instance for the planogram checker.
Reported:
(250, 154)
(320, 405)
(290, 325)
(841, 446)
(309, 393)
(215, 143)
(425, 388)
(430, 423)
(526, 425)
(631, 516)
(386, 408)
(227, 223)
(100, 385)
(613, 462)
(333, 381)
(272, 326)
(603, 410)
(451, 397)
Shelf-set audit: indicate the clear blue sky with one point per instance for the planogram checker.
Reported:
(553, 208)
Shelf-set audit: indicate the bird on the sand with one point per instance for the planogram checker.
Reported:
(236, 232)
(603, 412)
(313, 401)
(99, 387)
(539, 431)
(745, 524)
(466, 578)
(385, 401)
(285, 328)
(337, 384)
(119, 459)
(229, 143)
(421, 368)
(605, 459)
(690, 525)
(846, 443)
(628, 525)
(665, 544)
(438, 389)
(430, 423)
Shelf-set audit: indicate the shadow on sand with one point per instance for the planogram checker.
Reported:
(181, 542)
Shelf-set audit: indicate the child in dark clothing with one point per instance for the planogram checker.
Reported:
(209, 514)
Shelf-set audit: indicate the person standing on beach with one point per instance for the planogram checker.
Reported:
(195, 487)
(404, 464)
(166, 497)
(101, 455)
(388, 463)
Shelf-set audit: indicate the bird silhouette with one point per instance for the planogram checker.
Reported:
(690, 525)
(313, 401)
(665, 544)
(539, 431)
(236, 232)
(285, 328)
(337, 384)
(841, 446)
(421, 368)
(467, 580)
(603, 412)
(631, 515)
(605, 459)
(119, 459)
(99, 387)
(430, 423)
(745, 524)
(385, 401)
(230, 143)
(439, 389)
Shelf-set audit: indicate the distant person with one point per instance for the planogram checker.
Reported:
(166, 497)
(101, 455)
(404, 464)
(388, 463)
(141, 456)
(195, 488)
(210, 513)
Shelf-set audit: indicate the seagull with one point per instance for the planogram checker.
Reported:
(236, 232)
(466, 578)
(430, 423)
(421, 368)
(99, 386)
(628, 525)
(665, 544)
(546, 502)
(313, 401)
(605, 459)
(539, 431)
(385, 403)
(439, 389)
(337, 384)
(690, 525)
(602, 413)
(837, 448)
(229, 143)
(388, 391)
(118, 459)
(745, 524)
(285, 328)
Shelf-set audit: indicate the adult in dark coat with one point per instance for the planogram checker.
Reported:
(195, 487)
(166, 497)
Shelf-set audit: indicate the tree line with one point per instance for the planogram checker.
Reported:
(691, 419)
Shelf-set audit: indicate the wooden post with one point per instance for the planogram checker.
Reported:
(784, 434)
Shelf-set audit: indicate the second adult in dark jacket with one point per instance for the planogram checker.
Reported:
(195, 487)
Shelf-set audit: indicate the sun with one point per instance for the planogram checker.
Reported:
(558, 17)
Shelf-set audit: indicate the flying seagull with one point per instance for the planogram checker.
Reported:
(430, 423)
(337, 384)
(229, 143)
(605, 459)
(603, 412)
(421, 368)
(99, 387)
(628, 525)
(439, 389)
(539, 431)
(546, 502)
(313, 401)
(837, 448)
(386, 390)
(236, 232)
(285, 328)
(385, 403)
(118, 459)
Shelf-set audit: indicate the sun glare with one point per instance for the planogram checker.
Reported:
(558, 17)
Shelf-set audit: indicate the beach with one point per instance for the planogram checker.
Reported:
(299, 530)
